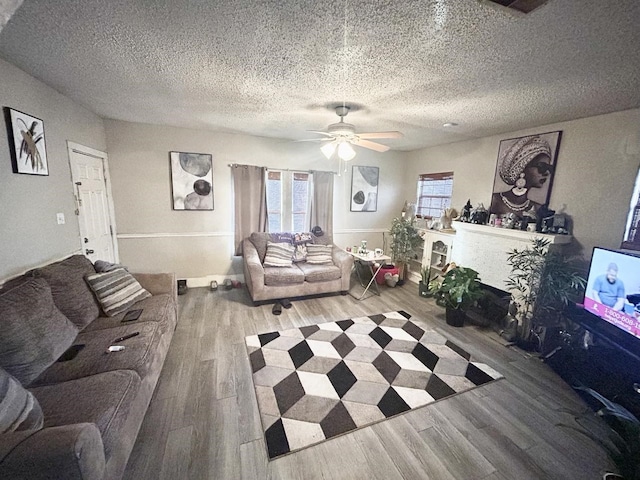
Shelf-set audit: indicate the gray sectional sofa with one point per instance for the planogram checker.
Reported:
(300, 279)
(79, 418)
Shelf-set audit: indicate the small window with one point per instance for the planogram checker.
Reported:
(274, 201)
(434, 194)
(300, 202)
(288, 195)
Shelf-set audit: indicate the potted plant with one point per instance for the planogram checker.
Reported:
(542, 283)
(623, 442)
(404, 238)
(460, 288)
(423, 284)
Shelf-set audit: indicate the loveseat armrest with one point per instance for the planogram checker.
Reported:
(70, 452)
(253, 269)
(158, 283)
(344, 261)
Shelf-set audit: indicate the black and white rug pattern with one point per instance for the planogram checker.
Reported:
(316, 382)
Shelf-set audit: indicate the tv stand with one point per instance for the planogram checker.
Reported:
(611, 366)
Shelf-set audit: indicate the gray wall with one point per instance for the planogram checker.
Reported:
(199, 244)
(595, 172)
(30, 234)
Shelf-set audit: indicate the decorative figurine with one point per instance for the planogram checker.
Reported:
(479, 215)
(465, 216)
(545, 218)
(447, 218)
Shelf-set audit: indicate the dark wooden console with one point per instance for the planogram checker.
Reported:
(611, 365)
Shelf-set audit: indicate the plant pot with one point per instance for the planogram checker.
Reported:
(455, 317)
(423, 289)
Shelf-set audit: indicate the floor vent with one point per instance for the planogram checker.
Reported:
(524, 6)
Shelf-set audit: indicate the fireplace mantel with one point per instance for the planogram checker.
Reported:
(485, 249)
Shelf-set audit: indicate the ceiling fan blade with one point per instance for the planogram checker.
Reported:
(378, 147)
(381, 135)
(321, 133)
(314, 140)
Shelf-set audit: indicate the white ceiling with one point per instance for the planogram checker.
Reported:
(272, 68)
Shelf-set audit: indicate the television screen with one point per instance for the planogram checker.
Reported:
(613, 289)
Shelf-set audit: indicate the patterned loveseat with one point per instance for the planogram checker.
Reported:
(297, 279)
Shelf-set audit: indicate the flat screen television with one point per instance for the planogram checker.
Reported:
(613, 295)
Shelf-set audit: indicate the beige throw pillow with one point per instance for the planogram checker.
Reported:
(278, 255)
(116, 290)
(319, 254)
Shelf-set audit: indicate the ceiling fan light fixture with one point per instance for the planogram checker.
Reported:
(346, 151)
(328, 149)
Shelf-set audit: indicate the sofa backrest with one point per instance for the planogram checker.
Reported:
(260, 239)
(34, 331)
(70, 291)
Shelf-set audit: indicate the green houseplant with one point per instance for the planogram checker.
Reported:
(404, 238)
(542, 283)
(423, 284)
(622, 442)
(459, 290)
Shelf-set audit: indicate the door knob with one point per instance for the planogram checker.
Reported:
(88, 252)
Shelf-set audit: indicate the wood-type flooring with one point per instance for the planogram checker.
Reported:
(203, 421)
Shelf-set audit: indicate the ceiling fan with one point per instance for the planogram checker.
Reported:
(341, 135)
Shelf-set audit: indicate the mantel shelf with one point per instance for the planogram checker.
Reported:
(513, 234)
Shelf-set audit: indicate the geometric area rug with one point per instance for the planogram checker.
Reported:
(317, 382)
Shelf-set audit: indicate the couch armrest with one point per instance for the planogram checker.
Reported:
(253, 269)
(345, 261)
(70, 452)
(158, 283)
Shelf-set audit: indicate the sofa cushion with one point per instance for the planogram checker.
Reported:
(34, 333)
(116, 290)
(70, 292)
(137, 355)
(19, 409)
(157, 308)
(283, 275)
(278, 255)
(104, 399)
(319, 254)
(320, 273)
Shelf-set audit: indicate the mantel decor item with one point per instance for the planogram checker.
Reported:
(364, 189)
(27, 143)
(524, 173)
(191, 180)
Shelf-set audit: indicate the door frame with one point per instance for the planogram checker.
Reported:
(73, 147)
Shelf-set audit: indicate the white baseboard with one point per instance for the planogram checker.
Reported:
(206, 281)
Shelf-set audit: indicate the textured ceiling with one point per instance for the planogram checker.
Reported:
(271, 68)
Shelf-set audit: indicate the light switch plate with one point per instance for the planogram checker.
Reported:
(60, 218)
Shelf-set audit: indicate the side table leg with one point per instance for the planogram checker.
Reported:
(372, 281)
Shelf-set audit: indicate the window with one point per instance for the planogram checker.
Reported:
(434, 194)
(288, 195)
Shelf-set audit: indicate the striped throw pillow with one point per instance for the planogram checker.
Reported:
(116, 290)
(319, 254)
(278, 254)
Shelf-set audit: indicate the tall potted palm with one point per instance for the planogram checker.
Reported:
(542, 283)
(404, 238)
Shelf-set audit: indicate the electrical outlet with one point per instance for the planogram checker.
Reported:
(60, 218)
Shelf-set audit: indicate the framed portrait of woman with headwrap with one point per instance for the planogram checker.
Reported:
(524, 174)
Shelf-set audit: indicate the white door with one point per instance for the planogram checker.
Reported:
(94, 208)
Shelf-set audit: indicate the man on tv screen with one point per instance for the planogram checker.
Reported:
(608, 289)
